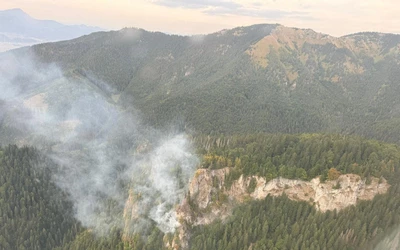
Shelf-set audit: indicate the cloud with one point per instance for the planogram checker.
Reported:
(258, 13)
(224, 8)
(197, 4)
(304, 17)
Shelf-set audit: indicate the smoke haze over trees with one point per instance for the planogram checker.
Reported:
(115, 121)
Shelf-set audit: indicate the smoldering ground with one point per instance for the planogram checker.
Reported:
(101, 150)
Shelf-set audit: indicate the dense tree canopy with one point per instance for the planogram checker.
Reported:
(303, 156)
(35, 214)
(229, 94)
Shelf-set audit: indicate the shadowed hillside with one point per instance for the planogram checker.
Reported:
(267, 78)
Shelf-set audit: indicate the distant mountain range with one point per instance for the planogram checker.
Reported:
(18, 29)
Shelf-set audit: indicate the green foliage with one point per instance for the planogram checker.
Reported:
(216, 87)
(302, 157)
(88, 240)
(252, 185)
(34, 213)
(279, 223)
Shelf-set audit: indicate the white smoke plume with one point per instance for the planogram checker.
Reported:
(101, 150)
(391, 241)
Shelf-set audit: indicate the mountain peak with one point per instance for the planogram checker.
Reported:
(14, 12)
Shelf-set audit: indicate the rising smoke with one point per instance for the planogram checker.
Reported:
(391, 241)
(101, 150)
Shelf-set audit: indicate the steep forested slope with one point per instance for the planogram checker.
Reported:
(262, 78)
(280, 222)
(37, 215)
(34, 213)
(299, 156)
(242, 83)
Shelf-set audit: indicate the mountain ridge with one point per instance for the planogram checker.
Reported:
(253, 99)
(279, 79)
(17, 23)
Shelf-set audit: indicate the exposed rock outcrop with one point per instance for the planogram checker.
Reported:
(208, 198)
(331, 195)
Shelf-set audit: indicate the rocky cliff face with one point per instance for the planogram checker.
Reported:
(337, 194)
(209, 198)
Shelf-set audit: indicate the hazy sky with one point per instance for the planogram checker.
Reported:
(334, 17)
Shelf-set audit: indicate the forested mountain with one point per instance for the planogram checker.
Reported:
(293, 141)
(261, 78)
(37, 215)
(278, 222)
